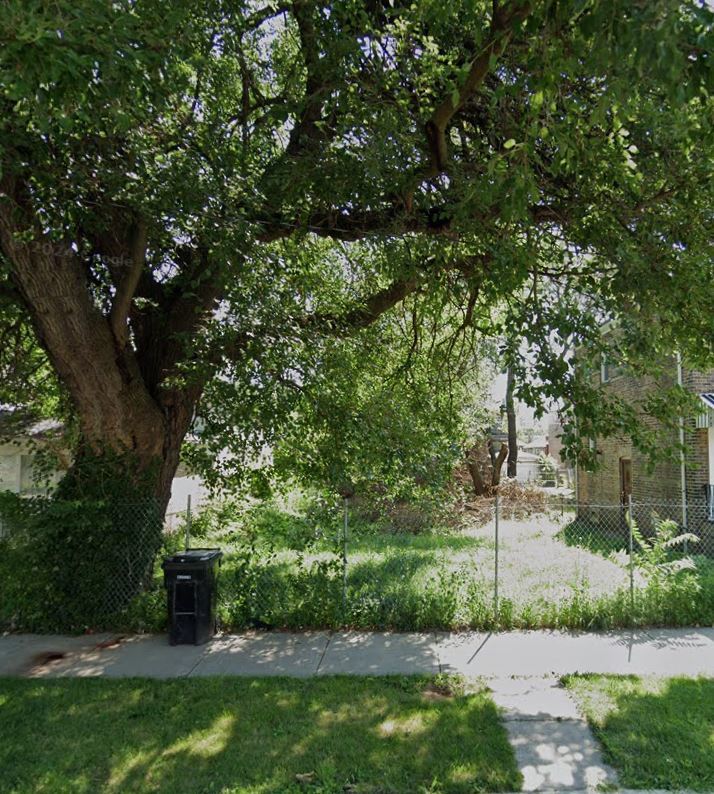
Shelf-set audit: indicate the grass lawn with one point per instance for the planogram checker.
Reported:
(657, 733)
(391, 734)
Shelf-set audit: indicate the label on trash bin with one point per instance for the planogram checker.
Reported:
(181, 576)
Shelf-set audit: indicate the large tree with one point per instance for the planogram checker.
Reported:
(194, 191)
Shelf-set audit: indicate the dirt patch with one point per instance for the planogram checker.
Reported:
(434, 692)
(47, 657)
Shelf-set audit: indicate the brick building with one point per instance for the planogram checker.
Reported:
(624, 470)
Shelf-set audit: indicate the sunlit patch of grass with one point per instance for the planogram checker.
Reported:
(246, 736)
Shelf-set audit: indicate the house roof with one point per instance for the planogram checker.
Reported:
(15, 424)
(498, 435)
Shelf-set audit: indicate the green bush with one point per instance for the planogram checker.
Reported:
(71, 565)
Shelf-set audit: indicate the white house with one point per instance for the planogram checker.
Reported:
(22, 439)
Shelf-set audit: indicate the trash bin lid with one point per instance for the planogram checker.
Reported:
(194, 555)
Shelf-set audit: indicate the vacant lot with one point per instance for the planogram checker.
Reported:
(252, 735)
(552, 572)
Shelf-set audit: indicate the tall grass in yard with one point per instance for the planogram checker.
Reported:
(285, 570)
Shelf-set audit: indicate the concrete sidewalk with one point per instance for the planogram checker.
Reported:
(519, 653)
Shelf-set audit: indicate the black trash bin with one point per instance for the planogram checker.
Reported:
(191, 580)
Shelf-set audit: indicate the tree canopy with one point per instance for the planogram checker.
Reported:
(198, 194)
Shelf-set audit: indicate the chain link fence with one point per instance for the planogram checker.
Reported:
(75, 565)
(511, 564)
(506, 563)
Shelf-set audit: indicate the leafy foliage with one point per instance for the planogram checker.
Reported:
(228, 188)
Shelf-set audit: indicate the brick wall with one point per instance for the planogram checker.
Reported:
(659, 484)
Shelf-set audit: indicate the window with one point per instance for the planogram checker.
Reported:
(705, 420)
(609, 370)
(29, 482)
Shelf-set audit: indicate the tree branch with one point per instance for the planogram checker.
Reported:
(306, 128)
(391, 220)
(502, 24)
(371, 309)
(119, 314)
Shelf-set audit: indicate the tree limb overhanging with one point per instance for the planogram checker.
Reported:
(502, 25)
(250, 139)
(128, 284)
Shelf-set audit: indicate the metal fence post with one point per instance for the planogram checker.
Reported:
(632, 558)
(344, 557)
(495, 565)
(188, 522)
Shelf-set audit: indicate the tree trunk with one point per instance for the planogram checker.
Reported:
(497, 463)
(125, 412)
(131, 426)
(474, 468)
(512, 467)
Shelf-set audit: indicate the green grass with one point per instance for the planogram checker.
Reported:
(444, 580)
(252, 735)
(657, 733)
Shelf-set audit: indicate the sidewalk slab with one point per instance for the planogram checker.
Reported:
(147, 655)
(533, 699)
(21, 654)
(676, 652)
(554, 747)
(264, 654)
(666, 652)
(380, 653)
(554, 653)
(558, 755)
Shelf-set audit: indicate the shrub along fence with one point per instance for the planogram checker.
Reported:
(507, 564)
(70, 566)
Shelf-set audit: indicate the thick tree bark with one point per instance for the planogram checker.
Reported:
(122, 408)
(131, 424)
(474, 467)
(485, 485)
(512, 465)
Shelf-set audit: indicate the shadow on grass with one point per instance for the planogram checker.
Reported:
(249, 735)
(588, 535)
(658, 734)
